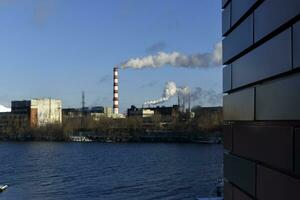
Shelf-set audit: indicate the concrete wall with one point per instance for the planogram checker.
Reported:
(261, 80)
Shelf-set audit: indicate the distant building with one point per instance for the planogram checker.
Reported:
(32, 113)
(10, 121)
(108, 111)
(163, 111)
(40, 111)
(95, 112)
(204, 111)
(139, 112)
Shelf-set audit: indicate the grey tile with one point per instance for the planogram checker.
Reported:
(226, 19)
(227, 78)
(279, 99)
(239, 8)
(271, 58)
(272, 14)
(238, 40)
(239, 105)
(296, 45)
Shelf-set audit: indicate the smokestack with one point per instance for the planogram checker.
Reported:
(116, 91)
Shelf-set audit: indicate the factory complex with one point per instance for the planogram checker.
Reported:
(27, 115)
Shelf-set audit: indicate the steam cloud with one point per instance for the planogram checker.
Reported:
(176, 59)
(170, 90)
(198, 95)
(206, 97)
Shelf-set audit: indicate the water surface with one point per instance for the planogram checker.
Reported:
(41, 170)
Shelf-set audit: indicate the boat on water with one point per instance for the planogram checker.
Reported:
(3, 187)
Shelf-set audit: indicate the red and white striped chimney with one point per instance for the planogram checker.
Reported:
(116, 91)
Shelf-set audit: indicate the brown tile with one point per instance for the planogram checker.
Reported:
(297, 151)
(227, 131)
(228, 191)
(272, 145)
(240, 172)
(239, 195)
(275, 185)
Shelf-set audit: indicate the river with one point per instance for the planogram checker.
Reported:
(141, 171)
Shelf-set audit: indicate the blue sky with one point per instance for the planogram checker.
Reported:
(57, 48)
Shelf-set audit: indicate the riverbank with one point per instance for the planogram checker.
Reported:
(120, 137)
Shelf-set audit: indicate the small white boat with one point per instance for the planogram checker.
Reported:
(3, 187)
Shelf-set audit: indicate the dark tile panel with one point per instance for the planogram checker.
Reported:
(238, 40)
(239, 8)
(227, 78)
(279, 99)
(271, 58)
(272, 14)
(239, 105)
(239, 195)
(227, 130)
(296, 45)
(272, 145)
(228, 191)
(297, 151)
(275, 185)
(224, 2)
(226, 18)
(240, 172)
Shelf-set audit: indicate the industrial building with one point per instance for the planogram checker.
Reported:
(139, 112)
(163, 111)
(40, 111)
(94, 112)
(32, 113)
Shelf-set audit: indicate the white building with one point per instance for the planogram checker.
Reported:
(49, 111)
(40, 111)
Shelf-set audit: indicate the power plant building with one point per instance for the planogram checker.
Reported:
(32, 113)
(139, 112)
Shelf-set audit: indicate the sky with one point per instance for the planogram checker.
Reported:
(59, 48)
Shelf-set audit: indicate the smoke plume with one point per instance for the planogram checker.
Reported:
(176, 59)
(170, 90)
(199, 96)
(206, 98)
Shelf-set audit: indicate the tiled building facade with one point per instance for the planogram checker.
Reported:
(261, 79)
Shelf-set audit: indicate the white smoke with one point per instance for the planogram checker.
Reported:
(198, 95)
(170, 90)
(176, 59)
(206, 98)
